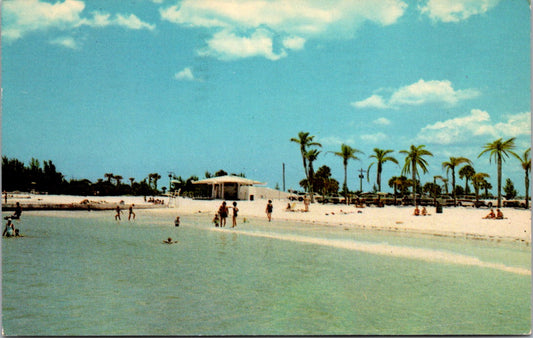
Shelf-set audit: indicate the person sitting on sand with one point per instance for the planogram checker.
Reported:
(169, 241)
(288, 208)
(417, 211)
(490, 215)
(177, 221)
(424, 211)
(499, 214)
(216, 220)
(131, 212)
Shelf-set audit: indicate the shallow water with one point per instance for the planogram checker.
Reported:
(78, 273)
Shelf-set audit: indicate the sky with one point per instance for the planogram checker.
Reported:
(134, 87)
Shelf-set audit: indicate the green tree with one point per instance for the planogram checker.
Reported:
(499, 150)
(451, 165)
(466, 172)
(305, 140)
(478, 181)
(525, 161)
(346, 154)
(510, 191)
(311, 156)
(324, 183)
(381, 157)
(414, 158)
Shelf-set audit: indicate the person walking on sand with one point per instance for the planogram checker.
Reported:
(269, 209)
(223, 213)
(117, 216)
(131, 212)
(235, 211)
(306, 203)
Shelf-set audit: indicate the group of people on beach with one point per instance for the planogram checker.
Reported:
(492, 215)
(417, 211)
(223, 211)
(131, 214)
(222, 214)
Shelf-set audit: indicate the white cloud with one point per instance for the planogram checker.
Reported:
(185, 74)
(477, 124)
(294, 42)
(374, 101)
(418, 93)
(382, 121)
(226, 45)
(132, 22)
(292, 22)
(456, 10)
(66, 41)
(24, 17)
(374, 138)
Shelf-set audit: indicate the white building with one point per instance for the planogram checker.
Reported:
(240, 188)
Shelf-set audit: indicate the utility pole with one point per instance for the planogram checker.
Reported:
(361, 176)
(283, 176)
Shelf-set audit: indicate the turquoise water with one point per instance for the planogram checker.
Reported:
(77, 273)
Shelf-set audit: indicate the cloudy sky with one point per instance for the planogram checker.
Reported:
(135, 87)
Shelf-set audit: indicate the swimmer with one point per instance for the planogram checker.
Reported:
(177, 221)
(169, 241)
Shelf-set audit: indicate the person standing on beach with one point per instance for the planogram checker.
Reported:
(131, 212)
(235, 211)
(306, 203)
(269, 209)
(223, 213)
(117, 216)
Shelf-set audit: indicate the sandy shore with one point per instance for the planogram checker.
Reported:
(454, 222)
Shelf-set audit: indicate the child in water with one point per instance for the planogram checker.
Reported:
(216, 220)
(177, 221)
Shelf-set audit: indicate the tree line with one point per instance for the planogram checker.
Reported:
(45, 178)
(416, 161)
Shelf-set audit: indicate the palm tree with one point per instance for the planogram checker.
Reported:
(347, 153)
(499, 149)
(396, 182)
(118, 178)
(311, 156)
(109, 176)
(466, 172)
(131, 180)
(478, 181)
(155, 177)
(305, 141)
(450, 165)
(525, 160)
(381, 157)
(413, 160)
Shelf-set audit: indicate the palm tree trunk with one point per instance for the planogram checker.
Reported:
(527, 189)
(499, 182)
(414, 182)
(379, 176)
(346, 183)
(453, 188)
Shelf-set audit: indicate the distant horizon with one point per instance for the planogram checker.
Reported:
(160, 86)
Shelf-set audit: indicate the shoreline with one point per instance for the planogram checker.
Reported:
(456, 222)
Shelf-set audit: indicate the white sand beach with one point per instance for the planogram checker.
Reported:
(454, 222)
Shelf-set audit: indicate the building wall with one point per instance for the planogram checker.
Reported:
(247, 193)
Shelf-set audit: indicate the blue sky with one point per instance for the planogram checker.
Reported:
(135, 87)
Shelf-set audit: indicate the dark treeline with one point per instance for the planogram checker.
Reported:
(16, 176)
